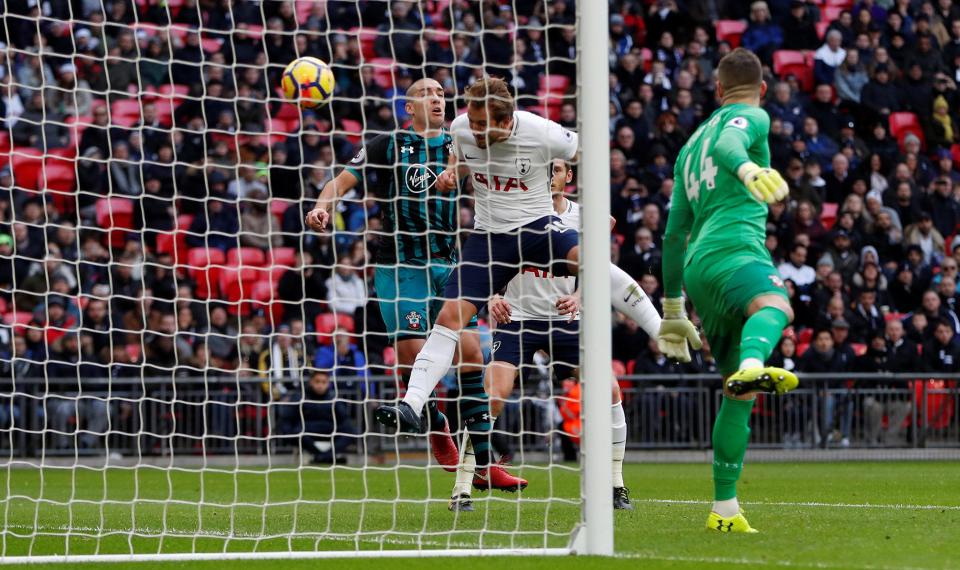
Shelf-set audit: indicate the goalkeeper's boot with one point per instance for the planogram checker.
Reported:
(496, 477)
(771, 380)
(401, 417)
(462, 503)
(443, 446)
(621, 499)
(736, 523)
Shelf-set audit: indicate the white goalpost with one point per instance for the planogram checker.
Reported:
(189, 373)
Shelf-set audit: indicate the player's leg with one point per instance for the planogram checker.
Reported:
(489, 261)
(767, 316)
(627, 297)
(618, 425)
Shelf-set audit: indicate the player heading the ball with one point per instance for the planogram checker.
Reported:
(408, 172)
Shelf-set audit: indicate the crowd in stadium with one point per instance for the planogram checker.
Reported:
(154, 186)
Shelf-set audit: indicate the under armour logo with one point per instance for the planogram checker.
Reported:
(406, 150)
(724, 528)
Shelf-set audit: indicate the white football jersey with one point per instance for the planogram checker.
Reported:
(533, 293)
(511, 179)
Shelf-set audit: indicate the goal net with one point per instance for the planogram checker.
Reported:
(188, 370)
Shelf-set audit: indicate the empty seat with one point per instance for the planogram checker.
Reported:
(730, 31)
(246, 256)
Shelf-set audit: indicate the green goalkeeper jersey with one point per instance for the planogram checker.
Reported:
(710, 203)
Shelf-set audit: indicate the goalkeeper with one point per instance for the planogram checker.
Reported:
(723, 186)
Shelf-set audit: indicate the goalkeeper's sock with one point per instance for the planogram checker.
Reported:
(618, 421)
(434, 416)
(475, 411)
(760, 335)
(464, 484)
(628, 298)
(432, 362)
(731, 432)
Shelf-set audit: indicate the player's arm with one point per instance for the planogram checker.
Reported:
(373, 154)
(737, 137)
(447, 180)
(319, 216)
(676, 330)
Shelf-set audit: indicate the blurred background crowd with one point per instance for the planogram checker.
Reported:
(153, 184)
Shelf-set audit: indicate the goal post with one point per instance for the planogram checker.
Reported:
(169, 311)
(594, 97)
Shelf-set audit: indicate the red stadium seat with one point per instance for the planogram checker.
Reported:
(246, 257)
(794, 62)
(554, 83)
(116, 215)
(184, 221)
(283, 257)
(26, 163)
(368, 39)
(204, 265)
(859, 348)
(278, 208)
(730, 31)
(903, 124)
(326, 323)
(802, 347)
(174, 243)
(176, 89)
(383, 71)
(805, 336)
(829, 214)
(829, 14)
(822, 28)
(125, 112)
(353, 130)
(211, 45)
(785, 57)
(262, 291)
(60, 176)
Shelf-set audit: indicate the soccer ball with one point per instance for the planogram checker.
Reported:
(307, 81)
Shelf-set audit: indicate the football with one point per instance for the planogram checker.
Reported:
(308, 82)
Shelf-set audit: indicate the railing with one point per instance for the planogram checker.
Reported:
(214, 415)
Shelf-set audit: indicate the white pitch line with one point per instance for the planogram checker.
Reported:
(813, 504)
(761, 562)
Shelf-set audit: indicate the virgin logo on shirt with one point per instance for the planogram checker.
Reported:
(420, 178)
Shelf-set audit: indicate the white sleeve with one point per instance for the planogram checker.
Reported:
(562, 143)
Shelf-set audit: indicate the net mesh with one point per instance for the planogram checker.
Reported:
(183, 362)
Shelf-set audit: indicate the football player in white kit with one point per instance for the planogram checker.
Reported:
(529, 319)
(509, 155)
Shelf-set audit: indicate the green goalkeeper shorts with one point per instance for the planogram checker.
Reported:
(721, 292)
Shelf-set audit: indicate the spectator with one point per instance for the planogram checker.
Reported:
(851, 77)
(346, 291)
(866, 321)
(796, 269)
(839, 182)
(282, 362)
(935, 311)
(799, 31)
(829, 57)
(879, 94)
(326, 427)
(762, 36)
(899, 355)
(785, 107)
(302, 287)
(843, 258)
(820, 146)
(825, 111)
(924, 235)
(347, 363)
(942, 353)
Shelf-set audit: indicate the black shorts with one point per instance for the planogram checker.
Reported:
(517, 342)
(488, 261)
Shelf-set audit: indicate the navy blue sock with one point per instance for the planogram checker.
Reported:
(475, 412)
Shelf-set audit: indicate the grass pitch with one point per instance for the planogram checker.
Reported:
(829, 515)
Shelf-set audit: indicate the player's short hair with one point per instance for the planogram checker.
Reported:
(740, 68)
(494, 93)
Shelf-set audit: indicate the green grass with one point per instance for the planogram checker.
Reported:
(831, 515)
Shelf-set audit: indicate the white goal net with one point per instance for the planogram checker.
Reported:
(187, 370)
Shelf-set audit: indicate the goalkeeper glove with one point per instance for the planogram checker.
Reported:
(676, 331)
(765, 184)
